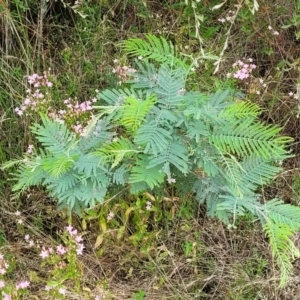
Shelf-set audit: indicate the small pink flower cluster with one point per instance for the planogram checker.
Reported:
(3, 269)
(6, 296)
(229, 17)
(77, 238)
(273, 31)
(22, 285)
(59, 253)
(38, 80)
(3, 264)
(75, 114)
(123, 72)
(242, 70)
(60, 249)
(37, 98)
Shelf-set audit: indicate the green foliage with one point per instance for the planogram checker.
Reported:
(296, 188)
(156, 133)
(136, 221)
(139, 295)
(134, 111)
(249, 137)
(158, 49)
(283, 249)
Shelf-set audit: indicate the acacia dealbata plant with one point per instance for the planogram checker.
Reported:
(154, 131)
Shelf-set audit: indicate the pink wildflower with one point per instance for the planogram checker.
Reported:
(74, 232)
(6, 296)
(61, 250)
(2, 284)
(62, 291)
(32, 78)
(69, 228)
(2, 271)
(22, 284)
(78, 239)
(79, 249)
(44, 253)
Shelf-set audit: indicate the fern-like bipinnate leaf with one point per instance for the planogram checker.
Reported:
(241, 110)
(250, 137)
(27, 176)
(256, 172)
(246, 176)
(96, 135)
(283, 213)
(120, 175)
(154, 139)
(197, 130)
(134, 111)
(88, 164)
(117, 96)
(141, 172)
(170, 88)
(116, 151)
(283, 249)
(232, 173)
(55, 137)
(56, 166)
(57, 186)
(175, 154)
(158, 49)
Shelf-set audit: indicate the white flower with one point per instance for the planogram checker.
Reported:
(110, 216)
(148, 205)
(171, 180)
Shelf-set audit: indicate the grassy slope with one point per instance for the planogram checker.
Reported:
(178, 253)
